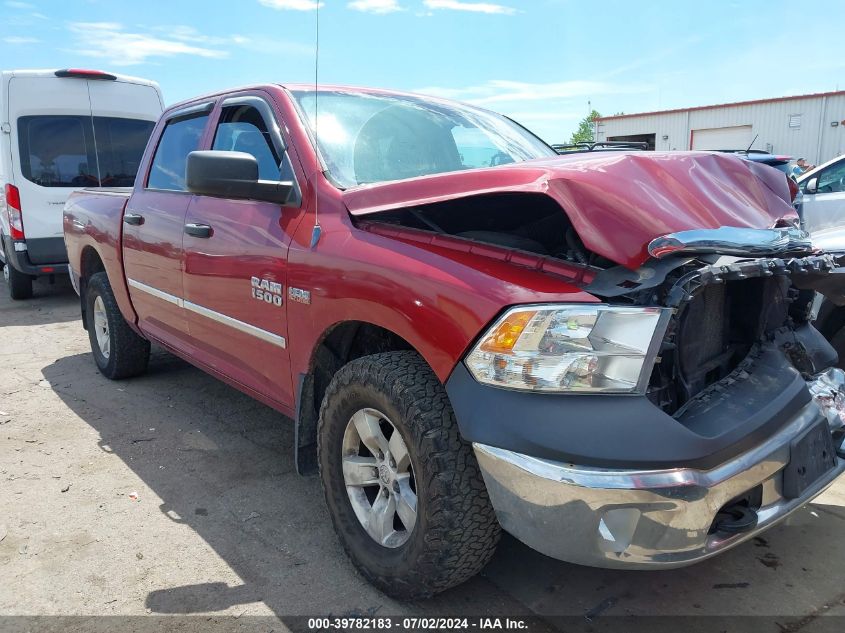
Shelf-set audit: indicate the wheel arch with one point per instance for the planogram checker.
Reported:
(90, 263)
(338, 345)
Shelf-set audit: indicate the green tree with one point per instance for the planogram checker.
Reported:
(584, 133)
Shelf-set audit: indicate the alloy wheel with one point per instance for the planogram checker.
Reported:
(101, 327)
(379, 478)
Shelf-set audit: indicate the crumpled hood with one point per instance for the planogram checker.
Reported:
(617, 202)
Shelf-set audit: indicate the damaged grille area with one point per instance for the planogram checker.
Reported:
(733, 320)
(722, 315)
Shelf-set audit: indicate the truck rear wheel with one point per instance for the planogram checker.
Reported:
(118, 351)
(20, 285)
(403, 488)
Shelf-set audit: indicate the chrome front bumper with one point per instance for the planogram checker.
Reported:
(655, 518)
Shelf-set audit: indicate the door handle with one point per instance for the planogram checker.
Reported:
(198, 230)
(134, 219)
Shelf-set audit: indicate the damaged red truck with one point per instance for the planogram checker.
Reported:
(609, 356)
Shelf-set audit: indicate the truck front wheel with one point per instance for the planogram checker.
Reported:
(403, 488)
(118, 351)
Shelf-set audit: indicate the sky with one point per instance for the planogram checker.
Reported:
(542, 62)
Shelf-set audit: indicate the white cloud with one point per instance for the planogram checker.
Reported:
(12, 39)
(477, 7)
(13, 4)
(110, 41)
(292, 5)
(545, 108)
(272, 45)
(375, 6)
(544, 116)
(186, 34)
(507, 91)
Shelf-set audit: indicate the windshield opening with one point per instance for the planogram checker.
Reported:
(368, 138)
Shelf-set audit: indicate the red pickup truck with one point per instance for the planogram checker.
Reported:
(608, 355)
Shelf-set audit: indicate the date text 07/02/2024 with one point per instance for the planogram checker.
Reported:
(417, 624)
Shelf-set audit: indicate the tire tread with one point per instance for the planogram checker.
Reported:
(130, 353)
(462, 529)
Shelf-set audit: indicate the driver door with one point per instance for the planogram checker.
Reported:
(236, 260)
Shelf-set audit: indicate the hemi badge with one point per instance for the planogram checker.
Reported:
(299, 295)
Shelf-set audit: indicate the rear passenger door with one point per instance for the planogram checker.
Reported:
(236, 259)
(153, 228)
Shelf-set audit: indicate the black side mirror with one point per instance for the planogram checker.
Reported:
(232, 175)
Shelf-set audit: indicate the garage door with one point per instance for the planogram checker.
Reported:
(736, 137)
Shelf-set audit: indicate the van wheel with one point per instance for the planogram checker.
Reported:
(118, 351)
(20, 285)
(403, 488)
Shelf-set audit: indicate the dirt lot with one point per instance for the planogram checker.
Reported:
(222, 525)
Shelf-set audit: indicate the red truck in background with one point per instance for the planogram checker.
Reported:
(609, 356)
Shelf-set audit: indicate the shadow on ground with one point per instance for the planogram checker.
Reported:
(51, 303)
(222, 464)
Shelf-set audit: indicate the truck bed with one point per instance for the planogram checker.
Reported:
(93, 234)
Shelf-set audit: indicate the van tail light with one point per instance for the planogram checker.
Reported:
(84, 73)
(13, 208)
(793, 188)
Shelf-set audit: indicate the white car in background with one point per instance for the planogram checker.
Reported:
(822, 210)
(62, 130)
(823, 204)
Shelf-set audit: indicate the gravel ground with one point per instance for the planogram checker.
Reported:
(175, 494)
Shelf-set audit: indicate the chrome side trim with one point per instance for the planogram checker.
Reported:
(246, 328)
(158, 294)
(732, 240)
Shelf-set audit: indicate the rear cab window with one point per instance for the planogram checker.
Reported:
(81, 151)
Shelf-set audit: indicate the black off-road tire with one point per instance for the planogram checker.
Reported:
(456, 530)
(129, 353)
(20, 285)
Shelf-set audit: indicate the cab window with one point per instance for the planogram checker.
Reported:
(242, 129)
(181, 136)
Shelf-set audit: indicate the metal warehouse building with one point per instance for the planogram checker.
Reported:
(810, 126)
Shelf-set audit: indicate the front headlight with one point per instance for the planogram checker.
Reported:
(570, 348)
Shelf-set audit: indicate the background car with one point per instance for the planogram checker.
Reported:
(823, 203)
(778, 161)
(598, 146)
(63, 130)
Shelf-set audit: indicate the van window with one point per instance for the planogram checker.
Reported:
(58, 151)
(71, 151)
(180, 137)
(120, 146)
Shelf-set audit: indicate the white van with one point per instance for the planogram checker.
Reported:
(63, 130)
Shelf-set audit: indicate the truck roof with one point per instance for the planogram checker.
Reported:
(303, 86)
